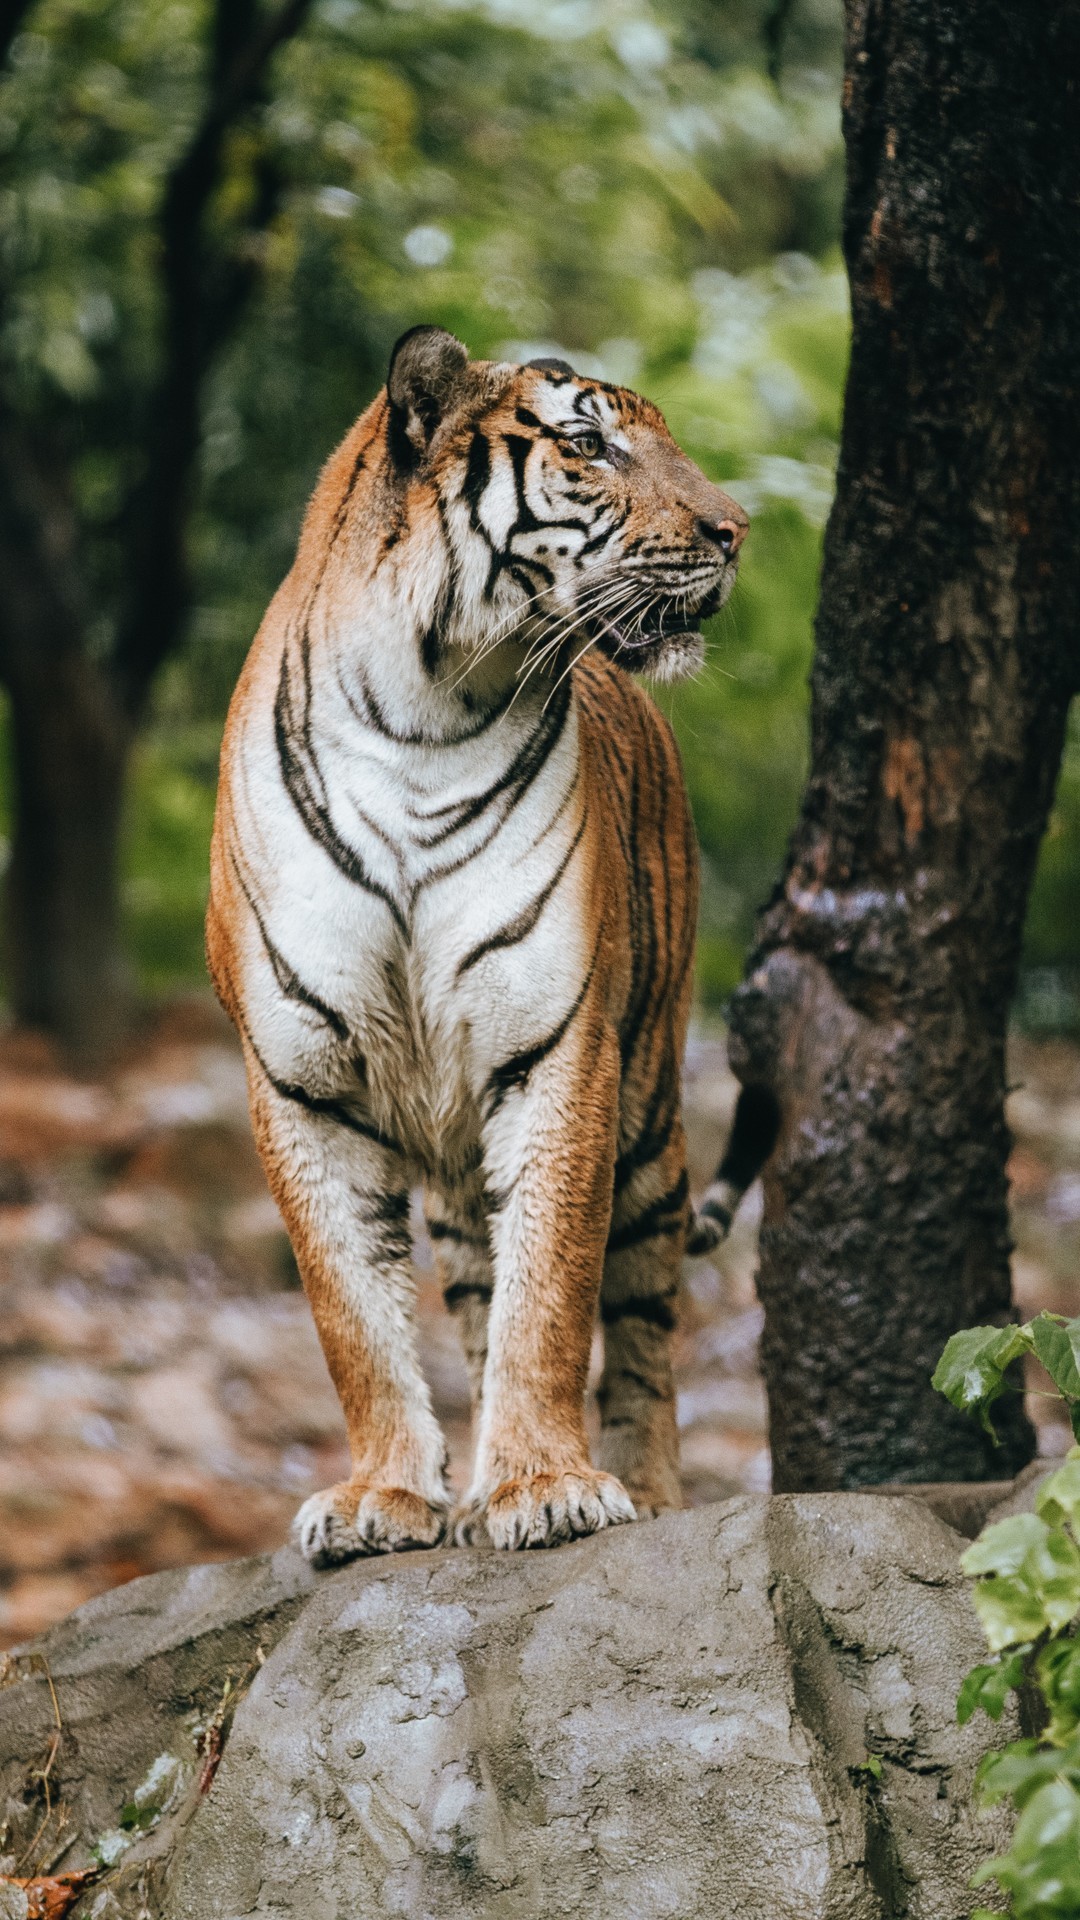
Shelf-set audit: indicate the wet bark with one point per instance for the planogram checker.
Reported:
(948, 646)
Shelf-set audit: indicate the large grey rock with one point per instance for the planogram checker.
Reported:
(666, 1720)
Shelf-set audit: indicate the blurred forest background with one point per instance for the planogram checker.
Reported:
(654, 193)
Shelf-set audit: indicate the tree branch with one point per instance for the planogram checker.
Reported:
(204, 297)
(773, 31)
(43, 609)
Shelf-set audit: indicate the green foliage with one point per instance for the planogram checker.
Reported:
(134, 1819)
(988, 1686)
(619, 182)
(1026, 1571)
(169, 817)
(973, 1369)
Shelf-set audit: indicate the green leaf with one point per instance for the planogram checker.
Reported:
(988, 1686)
(1030, 1583)
(1010, 1613)
(1003, 1547)
(1041, 1870)
(1057, 1672)
(971, 1371)
(1017, 1770)
(1052, 1568)
(1020, 1769)
(1058, 1347)
(1058, 1498)
(134, 1818)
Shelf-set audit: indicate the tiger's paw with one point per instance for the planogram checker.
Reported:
(544, 1509)
(355, 1518)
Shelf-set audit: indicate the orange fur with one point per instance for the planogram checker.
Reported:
(596, 1207)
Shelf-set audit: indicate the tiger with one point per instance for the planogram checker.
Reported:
(452, 915)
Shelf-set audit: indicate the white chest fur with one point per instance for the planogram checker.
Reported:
(416, 910)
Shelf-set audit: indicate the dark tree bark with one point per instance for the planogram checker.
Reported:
(67, 968)
(70, 739)
(948, 646)
(75, 713)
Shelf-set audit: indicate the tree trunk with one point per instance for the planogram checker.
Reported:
(948, 645)
(66, 966)
(74, 714)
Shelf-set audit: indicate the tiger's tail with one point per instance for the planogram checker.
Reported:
(750, 1143)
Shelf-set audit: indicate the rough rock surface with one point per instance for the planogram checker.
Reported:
(671, 1719)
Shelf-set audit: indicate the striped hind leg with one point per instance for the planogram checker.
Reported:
(639, 1440)
(456, 1217)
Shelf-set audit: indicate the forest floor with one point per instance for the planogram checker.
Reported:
(163, 1398)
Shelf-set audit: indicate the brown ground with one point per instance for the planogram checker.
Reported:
(162, 1393)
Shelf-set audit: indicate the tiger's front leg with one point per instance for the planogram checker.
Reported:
(549, 1155)
(343, 1192)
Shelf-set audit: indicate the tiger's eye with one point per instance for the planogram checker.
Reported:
(590, 444)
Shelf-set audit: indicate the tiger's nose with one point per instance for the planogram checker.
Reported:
(727, 533)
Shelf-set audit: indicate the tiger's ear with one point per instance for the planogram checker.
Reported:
(426, 377)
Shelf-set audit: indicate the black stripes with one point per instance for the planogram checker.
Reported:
(656, 1309)
(461, 1290)
(712, 1209)
(519, 929)
(305, 787)
(457, 1236)
(431, 648)
(365, 707)
(477, 476)
(288, 980)
(328, 1106)
(524, 568)
(512, 784)
(387, 1219)
(515, 1071)
(665, 1217)
(654, 1132)
(754, 1132)
(525, 417)
(652, 1389)
(333, 1108)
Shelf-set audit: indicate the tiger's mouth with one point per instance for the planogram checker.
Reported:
(663, 639)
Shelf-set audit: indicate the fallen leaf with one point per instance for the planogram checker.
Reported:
(52, 1896)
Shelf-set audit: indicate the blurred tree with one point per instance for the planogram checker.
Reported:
(875, 1006)
(550, 173)
(95, 591)
(614, 179)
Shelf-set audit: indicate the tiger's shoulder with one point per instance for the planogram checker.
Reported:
(617, 713)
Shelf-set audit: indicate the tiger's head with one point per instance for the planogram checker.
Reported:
(567, 514)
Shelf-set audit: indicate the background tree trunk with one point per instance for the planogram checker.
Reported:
(67, 969)
(948, 646)
(70, 743)
(75, 710)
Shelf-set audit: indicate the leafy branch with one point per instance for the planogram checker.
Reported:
(1027, 1595)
